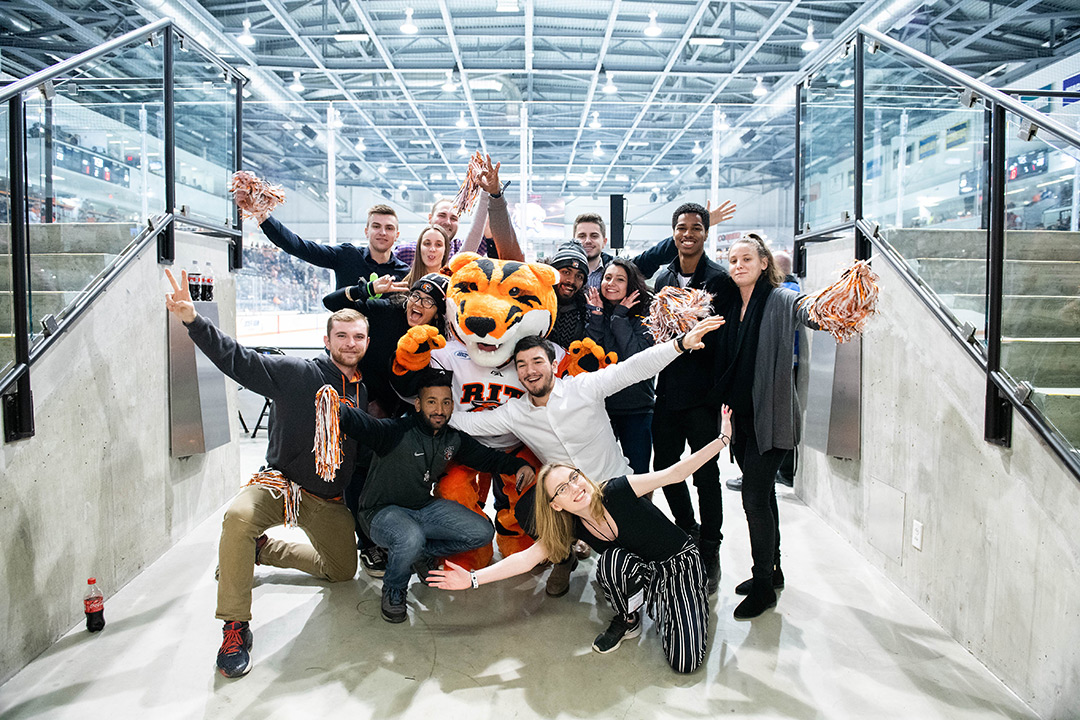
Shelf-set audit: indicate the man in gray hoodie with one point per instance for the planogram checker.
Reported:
(288, 490)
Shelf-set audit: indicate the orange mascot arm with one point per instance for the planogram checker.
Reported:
(414, 349)
(585, 356)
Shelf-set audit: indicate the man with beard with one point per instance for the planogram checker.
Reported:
(288, 490)
(572, 315)
(564, 420)
(397, 504)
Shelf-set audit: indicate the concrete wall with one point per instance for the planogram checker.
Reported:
(94, 492)
(999, 567)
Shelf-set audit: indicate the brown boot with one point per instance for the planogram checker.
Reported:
(558, 583)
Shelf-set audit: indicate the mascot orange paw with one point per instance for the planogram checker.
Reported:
(414, 348)
(585, 356)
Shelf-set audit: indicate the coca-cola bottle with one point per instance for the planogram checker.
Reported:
(94, 604)
(208, 283)
(194, 282)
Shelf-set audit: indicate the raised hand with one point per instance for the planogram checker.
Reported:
(387, 284)
(630, 300)
(451, 577)
(179, 302)
(592, 298)
(693, 339)
(414, 348)
(723, 213)
(489, 177)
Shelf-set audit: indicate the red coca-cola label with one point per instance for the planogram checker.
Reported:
(94, 604)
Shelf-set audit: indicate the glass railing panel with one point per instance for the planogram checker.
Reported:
(827, 152)
(275, 289)
(94, 165)
(924, 181)
(205, 107)
(7, 310)
(1041, 300)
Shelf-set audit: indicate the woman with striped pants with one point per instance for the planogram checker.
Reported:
(646, 564)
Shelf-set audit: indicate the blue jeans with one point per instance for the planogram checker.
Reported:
(440, 528)
(634, 432)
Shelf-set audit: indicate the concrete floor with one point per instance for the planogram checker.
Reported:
(842, 643)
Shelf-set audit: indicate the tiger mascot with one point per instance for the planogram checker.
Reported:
(490, 305)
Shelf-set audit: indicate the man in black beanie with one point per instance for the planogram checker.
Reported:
(573, 268)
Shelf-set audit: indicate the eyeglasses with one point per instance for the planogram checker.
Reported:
(575, 476)
(423, 300)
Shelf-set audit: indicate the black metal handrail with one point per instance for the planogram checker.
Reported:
(15, 390)
(1003, 395)
(984, 91)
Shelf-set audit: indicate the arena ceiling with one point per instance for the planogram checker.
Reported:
(619, 96)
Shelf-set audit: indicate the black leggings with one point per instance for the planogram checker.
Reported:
(759, 496)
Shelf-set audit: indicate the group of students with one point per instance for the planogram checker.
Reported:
(725, 383)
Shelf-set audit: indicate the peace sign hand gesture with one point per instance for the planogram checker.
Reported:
(179, 302)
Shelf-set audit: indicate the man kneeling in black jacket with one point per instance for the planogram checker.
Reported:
(397, 506)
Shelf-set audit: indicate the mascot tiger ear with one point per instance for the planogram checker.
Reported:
(544, 273)
(462, 259)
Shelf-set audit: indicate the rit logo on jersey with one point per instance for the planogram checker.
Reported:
(474, 394)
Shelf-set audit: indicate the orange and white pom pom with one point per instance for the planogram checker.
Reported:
(327, 433)
(677, 310)
(258, 196)
(470, 187)
(843, 308)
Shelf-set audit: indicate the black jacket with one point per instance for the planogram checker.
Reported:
(351, 265)
(683, 384)
(409, 459)
(648, 262)
(291, 383)
(616, 329)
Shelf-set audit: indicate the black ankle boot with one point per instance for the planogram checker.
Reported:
(761, 598)
(745, 586)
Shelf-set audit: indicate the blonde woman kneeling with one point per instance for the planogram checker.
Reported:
(646, 561)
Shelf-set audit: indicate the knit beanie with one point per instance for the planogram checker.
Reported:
(571, 255)
(434, 284)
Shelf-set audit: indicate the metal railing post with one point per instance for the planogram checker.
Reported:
(862, 245)
(798, 251)
(997, 428)
(19, 405)
(236, 252)
(167, 240)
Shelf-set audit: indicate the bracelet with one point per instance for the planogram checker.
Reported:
(475, 580)
(679, 343)
(727, 440)
(348, 294)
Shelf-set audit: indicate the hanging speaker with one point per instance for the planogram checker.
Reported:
(615, 225)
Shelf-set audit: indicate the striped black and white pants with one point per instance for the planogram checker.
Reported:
(676, 598)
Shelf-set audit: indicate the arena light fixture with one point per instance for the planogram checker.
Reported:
(296, 86)
(598, 151)
(461, 121)
(246, 38)
(724, 124)
(595, 124)
(810, 44)
(462, 150)
(652, 29)
(451, 84)
(759, 89)
(408, 27)
(609, 86)
(697, 148)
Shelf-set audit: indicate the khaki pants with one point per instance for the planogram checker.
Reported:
(331, 555)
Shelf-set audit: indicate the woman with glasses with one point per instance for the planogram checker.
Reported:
(389, 319)
(646, 564)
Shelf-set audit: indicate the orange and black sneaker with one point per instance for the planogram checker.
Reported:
(233, 659)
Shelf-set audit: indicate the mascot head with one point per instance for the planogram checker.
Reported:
(491, 304)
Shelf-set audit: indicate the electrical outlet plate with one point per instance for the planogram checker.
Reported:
(916, 534)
